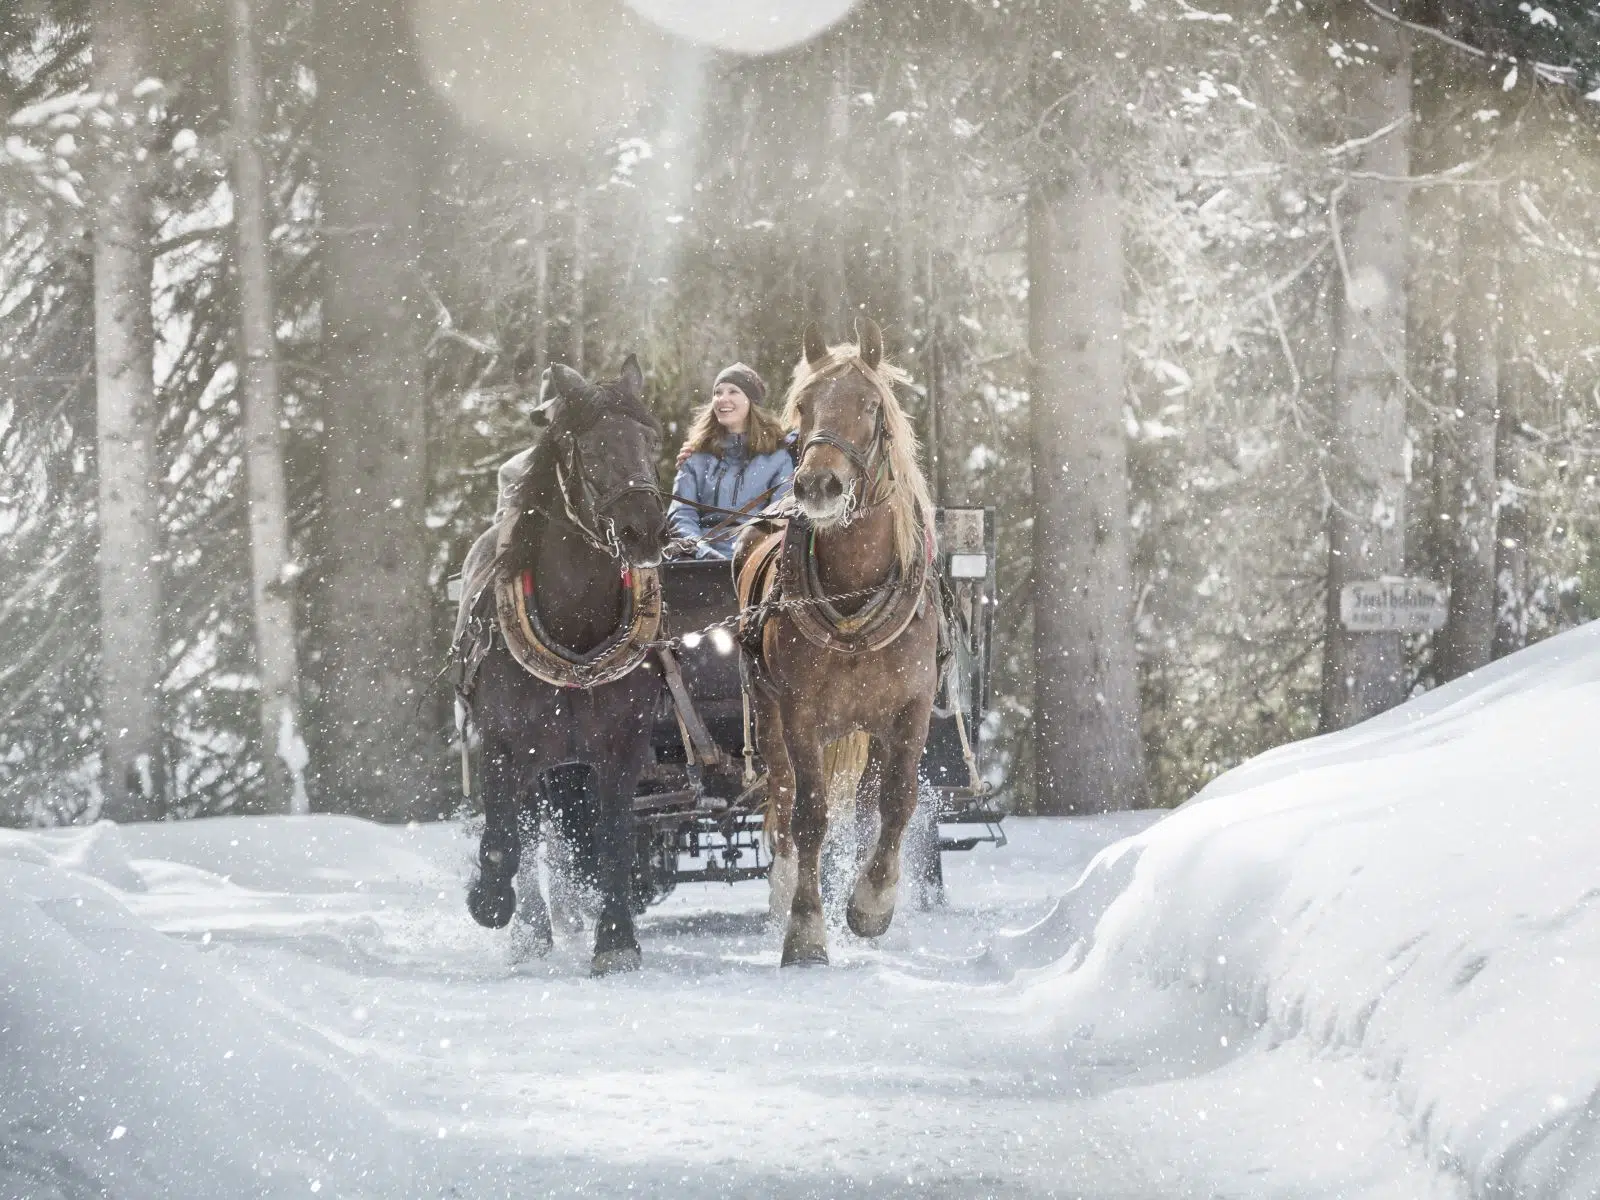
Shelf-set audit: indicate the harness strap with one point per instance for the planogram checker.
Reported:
(749, 743)
(746, 511)
(825, 437)
(697, 740)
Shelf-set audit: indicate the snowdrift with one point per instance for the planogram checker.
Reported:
(1419, 895)
(130, 1067)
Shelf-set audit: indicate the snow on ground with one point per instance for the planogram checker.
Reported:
(905, 1069)
(1413, 904)
(129, 1068)
(1359, 967)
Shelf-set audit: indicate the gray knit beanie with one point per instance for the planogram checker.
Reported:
(745, 379)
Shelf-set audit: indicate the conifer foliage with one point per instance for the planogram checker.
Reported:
(1145, 263)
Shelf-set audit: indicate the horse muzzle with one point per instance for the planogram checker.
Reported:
(823, 496)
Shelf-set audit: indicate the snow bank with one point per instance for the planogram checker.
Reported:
(1419, 896)
(129, 1067)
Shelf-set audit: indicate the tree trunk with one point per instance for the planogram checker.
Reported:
(906, 256)
(934, 365)
(1469, 635)
(580, 258)
(834, 309)
(283, 751)
(130, 559)
(1513, 527)
(541, 289)
(1362, 672)
(1088, 749)
(374, 752)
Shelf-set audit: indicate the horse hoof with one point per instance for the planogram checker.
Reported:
(491, 906)
(805, 956)
(616, 962)
(529, 941)
(868, 925)
(569, 923)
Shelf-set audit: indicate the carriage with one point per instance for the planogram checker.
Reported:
(698, 809)
(861, 668)
(698, 816)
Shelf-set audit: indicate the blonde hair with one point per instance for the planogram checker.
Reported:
(909, 500)
(762, 432)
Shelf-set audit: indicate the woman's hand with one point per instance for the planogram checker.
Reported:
(681, 547)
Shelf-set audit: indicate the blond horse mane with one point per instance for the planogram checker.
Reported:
(909, 500)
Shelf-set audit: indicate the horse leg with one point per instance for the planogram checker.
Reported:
(780, 809)
(872, 903)
(806, 942)
(570, 818)
(616, 946)
(566, 899)
(491, 899)
(531, 935)
(927, 860)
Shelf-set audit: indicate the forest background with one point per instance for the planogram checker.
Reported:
(1220, 307)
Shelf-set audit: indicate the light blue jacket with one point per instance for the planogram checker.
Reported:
(731, 479)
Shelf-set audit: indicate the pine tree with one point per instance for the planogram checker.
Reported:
(1363, 673)
(374, 603)
(272, 567)
(130, 548)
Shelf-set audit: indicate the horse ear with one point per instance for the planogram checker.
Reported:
(632, 379)
(816, 348)
(870, 339)
(561, 380)
(545, 409)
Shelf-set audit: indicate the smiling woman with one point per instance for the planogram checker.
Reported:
(734, 460)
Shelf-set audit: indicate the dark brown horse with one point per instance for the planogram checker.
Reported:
(864, 662)
(586, 513)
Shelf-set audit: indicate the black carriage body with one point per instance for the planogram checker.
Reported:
(710, 829)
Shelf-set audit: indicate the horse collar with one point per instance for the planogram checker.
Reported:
(536, 651)
(886, 615)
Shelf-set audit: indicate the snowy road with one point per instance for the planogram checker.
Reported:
(709, 1073)
(913, 1067)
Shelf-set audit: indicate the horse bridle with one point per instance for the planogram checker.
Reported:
(861, 461)
(589, 526)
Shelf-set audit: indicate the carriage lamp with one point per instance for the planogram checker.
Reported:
(969, 566)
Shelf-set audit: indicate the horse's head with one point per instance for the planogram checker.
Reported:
(604, 444)
(838, 416)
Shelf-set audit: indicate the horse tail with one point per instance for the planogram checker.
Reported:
(843, 762)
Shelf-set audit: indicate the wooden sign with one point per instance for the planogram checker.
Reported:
(960, 530)
(1393, 606)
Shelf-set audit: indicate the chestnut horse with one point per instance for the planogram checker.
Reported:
(846, 637)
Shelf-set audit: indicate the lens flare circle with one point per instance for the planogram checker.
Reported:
(743, 26)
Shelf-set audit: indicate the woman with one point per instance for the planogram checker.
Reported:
(735, 457)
